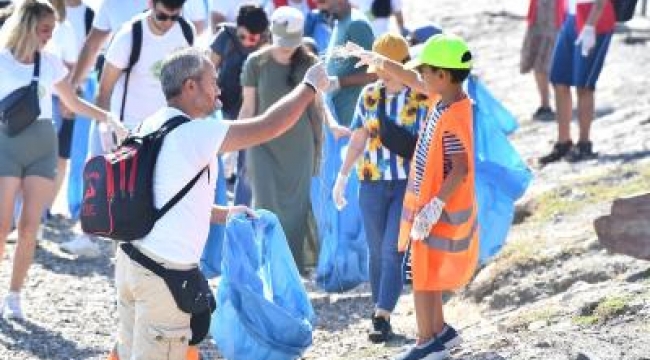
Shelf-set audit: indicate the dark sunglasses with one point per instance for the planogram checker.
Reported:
(249, 37)
(165, 17)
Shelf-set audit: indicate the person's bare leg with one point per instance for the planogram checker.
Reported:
(564, 109)
(9, 187)
(543, 88)
(586, 110)
(37, 192)
(61, 169)
(428, 314)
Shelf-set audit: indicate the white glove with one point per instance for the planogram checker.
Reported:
(335, 84)
(366, 58)
(339, 191)
(426, 218)
(116, 126)
(587, 39)
(316, 77)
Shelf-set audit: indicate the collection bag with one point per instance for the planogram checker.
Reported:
(21, 107)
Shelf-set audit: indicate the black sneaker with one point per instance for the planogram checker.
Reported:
(582, 151)
(559, 151)
(381, 330)
(544, 113)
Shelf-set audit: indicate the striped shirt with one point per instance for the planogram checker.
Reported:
(452, 145)
(407, 109)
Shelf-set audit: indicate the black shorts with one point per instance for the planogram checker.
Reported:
(65, 138)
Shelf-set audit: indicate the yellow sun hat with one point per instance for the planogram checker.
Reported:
(392, 46)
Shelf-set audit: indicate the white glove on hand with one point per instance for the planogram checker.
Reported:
(316, 76)
(426, 218)
(118, 129)
(339, 191)
(587, 39)
(366, 58)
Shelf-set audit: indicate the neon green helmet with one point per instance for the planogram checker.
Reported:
(444, 51)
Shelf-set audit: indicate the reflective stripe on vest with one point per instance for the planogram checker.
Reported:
(451, 245)
(451, 218)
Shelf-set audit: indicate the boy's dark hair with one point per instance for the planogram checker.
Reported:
(457, 75)
(253, 18)
(170, 4)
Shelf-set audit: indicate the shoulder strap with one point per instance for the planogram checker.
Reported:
(381, 104)
(187, 30)
(136, 47)
(37, 67)
(89, 16)
(169, 126)
(234, 43)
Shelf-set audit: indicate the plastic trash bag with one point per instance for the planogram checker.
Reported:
(502, 177)
(343, 257)
(263, 311)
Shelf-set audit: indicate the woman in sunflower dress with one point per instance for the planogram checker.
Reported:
(383, 176)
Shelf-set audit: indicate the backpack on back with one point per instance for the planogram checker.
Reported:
(136, 48)
(624, 9)
(118, 200)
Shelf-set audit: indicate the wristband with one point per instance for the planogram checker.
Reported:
(311, 86)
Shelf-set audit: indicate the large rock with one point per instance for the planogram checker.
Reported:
(627, 229)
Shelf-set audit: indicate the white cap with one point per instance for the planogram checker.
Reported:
(287, 24)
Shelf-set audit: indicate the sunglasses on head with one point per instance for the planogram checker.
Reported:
(166, 17)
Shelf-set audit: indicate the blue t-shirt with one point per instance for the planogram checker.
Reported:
(355, 28)
(318, 28)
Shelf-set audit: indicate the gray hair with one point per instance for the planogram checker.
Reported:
(179, 66)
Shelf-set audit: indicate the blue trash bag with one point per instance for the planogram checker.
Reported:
(343, 258)
(211, 258)
(79, 152)
(502, 177)
(263, 311)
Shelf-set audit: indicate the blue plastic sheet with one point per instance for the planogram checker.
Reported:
(502, 177)
(263, 311)
(211, 257)
(343, 258)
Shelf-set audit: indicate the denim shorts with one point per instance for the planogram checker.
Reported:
(568, 66)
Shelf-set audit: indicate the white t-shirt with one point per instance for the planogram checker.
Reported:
(144, 92)
(113, 13)
(15, 75)
(180, 235)
(77, 17)
(197, 10)
(302, 6)
(64, 43)
(228, 8)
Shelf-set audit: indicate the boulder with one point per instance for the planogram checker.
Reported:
(627, 229)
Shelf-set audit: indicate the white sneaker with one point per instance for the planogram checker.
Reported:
(81, 245)
(11, 308)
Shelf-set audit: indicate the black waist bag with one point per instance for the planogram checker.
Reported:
(189, 288)
(394, 137)
(21, 108)
(624, 9)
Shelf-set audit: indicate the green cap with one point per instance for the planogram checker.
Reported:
(444, 51)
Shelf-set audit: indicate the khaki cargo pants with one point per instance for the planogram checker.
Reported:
(150, 324)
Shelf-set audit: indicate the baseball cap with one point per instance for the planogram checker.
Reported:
(444, 51)
(392, 46)
(287, 25)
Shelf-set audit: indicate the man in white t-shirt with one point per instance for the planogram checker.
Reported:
(162, 34)
(379, 13)
(150, 322)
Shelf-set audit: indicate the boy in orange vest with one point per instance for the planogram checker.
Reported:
(439, 219)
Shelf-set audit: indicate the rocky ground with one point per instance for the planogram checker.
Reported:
(553, 293)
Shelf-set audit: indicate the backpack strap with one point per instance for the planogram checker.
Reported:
(37, 68)
(136, 47)
(169, 126)
(89, 16)
(187, 30)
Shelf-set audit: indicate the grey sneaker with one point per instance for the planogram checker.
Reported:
(544, 113)
(11, 309)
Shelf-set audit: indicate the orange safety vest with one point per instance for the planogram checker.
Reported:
(447, 258)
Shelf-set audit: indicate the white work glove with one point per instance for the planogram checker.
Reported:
(316, 77)
(587, 39)
(339, 191)
(235, 210)
(426, 218)
(335, 84)
(115, 125)
(366, 58)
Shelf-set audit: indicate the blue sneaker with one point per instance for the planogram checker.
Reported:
(449, 337)
(433, 350)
